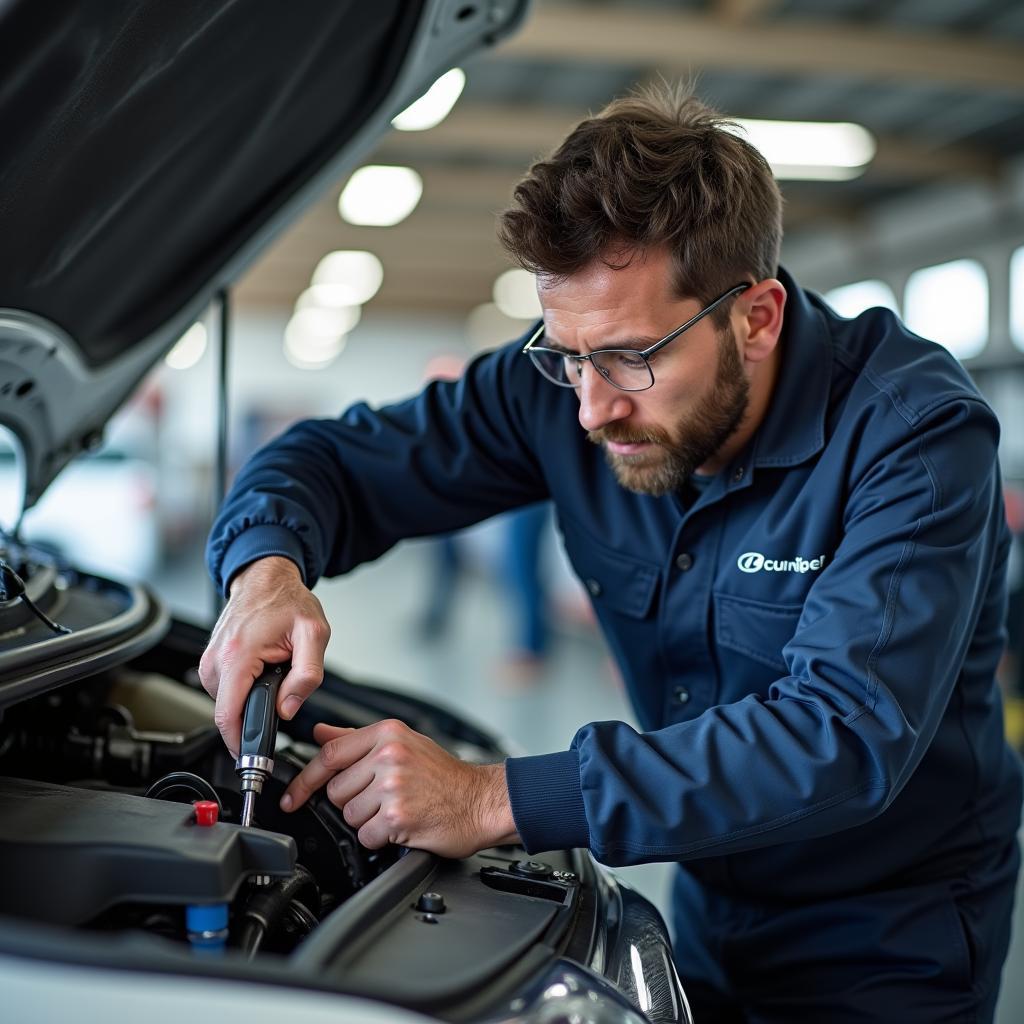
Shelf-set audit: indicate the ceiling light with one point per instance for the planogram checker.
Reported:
(434, 105)
(328, 297)
(311, 354)
(515, 294)
(318, 323)
(189, 348)
(380, 196)
(487, 327)
(315, 337)
(810, 150)
(354, 276)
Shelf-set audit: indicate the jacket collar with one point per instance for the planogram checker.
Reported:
(794, 427)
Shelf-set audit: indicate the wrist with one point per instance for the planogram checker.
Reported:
(497, 826)
(272, 568)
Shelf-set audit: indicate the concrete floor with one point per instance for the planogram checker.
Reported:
(374, 614)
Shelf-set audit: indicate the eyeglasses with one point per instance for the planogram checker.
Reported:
(624, 368)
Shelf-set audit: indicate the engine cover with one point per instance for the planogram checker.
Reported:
(67, 855)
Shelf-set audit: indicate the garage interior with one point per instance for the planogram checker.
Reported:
(938, 210)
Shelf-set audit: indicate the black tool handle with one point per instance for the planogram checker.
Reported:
(259, 724)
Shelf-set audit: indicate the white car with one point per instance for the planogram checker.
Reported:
(151, 150)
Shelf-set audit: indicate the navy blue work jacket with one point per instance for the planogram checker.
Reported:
(810, 647)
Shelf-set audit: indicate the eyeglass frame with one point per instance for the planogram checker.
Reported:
(644, 354)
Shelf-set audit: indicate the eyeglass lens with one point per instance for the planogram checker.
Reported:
(625, 369)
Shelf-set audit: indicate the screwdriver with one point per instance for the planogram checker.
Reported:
(259, 734)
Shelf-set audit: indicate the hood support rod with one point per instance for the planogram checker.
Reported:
(220, 481)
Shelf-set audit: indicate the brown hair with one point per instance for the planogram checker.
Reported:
(655, 168)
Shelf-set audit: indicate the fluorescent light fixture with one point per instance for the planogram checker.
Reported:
(380, 196)
(315, 337)
(487, 327)
(310, 354)
(948, 303)
(325, 297)
(810, 150)
(189, 348)
(434, 105)
(319, 323)
(852, 299)
(354, 276)
(515, 294)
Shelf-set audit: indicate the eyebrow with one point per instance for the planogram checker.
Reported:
(632, 344)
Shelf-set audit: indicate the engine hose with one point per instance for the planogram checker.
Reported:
(302, 916)
(184, 787)
(266, 908)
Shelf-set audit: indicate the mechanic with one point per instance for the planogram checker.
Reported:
(791, 528)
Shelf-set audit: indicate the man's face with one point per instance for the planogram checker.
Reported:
(655, 439)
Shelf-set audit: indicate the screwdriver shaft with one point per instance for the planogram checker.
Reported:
(248, 806)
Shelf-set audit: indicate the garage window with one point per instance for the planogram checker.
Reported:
(948, 303)
(1017, 298)
(852, 299)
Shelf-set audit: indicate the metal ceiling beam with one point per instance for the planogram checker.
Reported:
(446, 259)
(524, 133)
(678, 42)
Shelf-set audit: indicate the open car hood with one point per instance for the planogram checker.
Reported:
(152, 150)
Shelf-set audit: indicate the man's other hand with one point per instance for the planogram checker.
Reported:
(271, 616)
(396, 786)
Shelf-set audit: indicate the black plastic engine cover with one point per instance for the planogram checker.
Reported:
(68, 854)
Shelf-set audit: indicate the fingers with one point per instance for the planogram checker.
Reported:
(335, 756)
(309, 643)
(376, 833)
(349, 791)
(323, 733)
(271, 617)
(231, 692)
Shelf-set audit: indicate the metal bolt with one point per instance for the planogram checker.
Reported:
(431, 903)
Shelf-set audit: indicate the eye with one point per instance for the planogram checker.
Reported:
(628, 360)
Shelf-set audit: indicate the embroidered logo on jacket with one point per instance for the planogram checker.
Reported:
(754, 561)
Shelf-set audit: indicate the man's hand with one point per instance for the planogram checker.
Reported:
(397, 786)
(271, 616)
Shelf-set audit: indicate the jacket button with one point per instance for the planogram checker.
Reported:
(684, 561)
(594, 587)
(681, 694)
(738, 475)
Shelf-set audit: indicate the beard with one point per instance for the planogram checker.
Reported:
(695, 438)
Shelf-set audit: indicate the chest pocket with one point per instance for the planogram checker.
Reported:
(756, 629)
(615, 582)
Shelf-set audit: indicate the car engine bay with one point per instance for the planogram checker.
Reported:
(134, 751)
(121, 845)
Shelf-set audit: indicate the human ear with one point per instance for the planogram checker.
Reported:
(759, 310)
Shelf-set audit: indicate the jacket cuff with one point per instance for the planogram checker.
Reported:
(255, 543)
(547, 801)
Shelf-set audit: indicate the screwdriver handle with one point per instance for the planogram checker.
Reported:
(259, 723)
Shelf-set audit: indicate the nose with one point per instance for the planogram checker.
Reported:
(600, 402)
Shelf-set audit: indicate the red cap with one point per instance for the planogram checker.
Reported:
(206, 812)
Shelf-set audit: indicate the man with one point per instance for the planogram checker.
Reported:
(791, 528)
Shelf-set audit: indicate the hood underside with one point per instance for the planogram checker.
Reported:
(153, 149)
